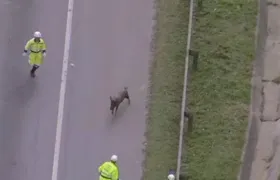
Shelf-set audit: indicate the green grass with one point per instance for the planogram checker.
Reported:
(220, 92)
(166, 89)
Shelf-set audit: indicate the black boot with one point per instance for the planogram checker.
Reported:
(32, 72)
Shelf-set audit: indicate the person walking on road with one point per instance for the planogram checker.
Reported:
(109, 170)
(37, 48)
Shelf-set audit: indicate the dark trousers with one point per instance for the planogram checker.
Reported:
(34, 68)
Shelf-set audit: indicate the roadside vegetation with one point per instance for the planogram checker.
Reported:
(219, 92)
(167, 73)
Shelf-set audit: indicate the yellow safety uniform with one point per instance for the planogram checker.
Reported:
(36, 51)
(108, 170)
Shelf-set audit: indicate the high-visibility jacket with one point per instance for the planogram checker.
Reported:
(36, 51)
(35, 47)
(108, 170)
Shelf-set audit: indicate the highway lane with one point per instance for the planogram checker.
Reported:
(28, 107)
(110, 47)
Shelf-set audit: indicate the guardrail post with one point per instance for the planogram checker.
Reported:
(189, 118)
(194, 55)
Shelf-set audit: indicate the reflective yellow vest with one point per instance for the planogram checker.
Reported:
(109, 170)
(35, 47)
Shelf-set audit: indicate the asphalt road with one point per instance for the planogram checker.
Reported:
(110, 45)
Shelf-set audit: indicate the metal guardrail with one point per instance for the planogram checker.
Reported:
(183, 106)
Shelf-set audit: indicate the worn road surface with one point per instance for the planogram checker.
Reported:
(266, 163)
(110, 48)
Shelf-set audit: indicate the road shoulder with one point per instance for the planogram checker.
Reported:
(266, 162)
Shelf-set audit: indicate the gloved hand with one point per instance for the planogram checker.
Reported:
(44, 54)
(24, 54)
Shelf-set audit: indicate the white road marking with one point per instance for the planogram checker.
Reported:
(62, 89)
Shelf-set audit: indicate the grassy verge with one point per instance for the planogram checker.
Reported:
(166, 88)
(219, 93)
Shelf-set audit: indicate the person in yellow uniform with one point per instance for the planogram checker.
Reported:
(37, 48)
(109, 170)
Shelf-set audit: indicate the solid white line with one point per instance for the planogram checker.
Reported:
(62, 89)
(183, 106)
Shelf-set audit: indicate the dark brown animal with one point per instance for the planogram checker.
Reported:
(116, 101)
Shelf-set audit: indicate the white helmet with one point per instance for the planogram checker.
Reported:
(171, 177)
(114, 158)
(37, 34)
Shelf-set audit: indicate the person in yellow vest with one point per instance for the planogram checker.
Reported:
(109, 170)
(37, 48)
